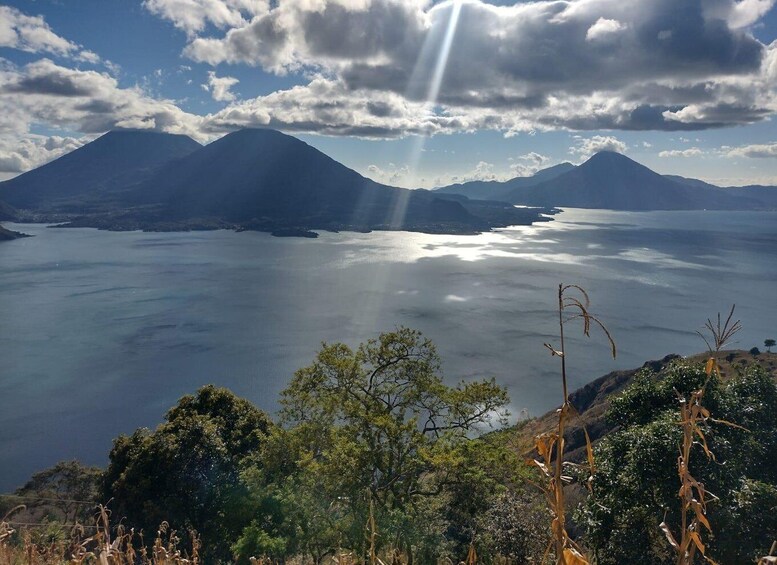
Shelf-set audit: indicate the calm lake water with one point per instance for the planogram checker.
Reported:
(100, 332)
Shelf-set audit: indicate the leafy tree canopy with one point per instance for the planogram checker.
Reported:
(187, 471)
(378, 427)
(635, 485)
(68, 491)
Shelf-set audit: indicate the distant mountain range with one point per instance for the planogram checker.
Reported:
(264, 180)
(250, 179)
(496, 190)
(612, 181)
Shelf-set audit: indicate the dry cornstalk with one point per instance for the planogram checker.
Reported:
(550, 446)
(693, 415)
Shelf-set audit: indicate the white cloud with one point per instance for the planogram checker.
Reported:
(692, 73)
(88, 57)
(528, 164)
(33, 35)
(671, 71)
(192, 16)
(392, 175)
(604, 28)
(588, 146)
(754, 151)
(19, 155)
(692, 152)
(84, 101)
(481, 171)
(219, 87)
(740, 14)
(328, 107)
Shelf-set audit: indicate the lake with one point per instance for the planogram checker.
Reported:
(101, 332)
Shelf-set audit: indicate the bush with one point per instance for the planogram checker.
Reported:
(635, 484)
(187, 471)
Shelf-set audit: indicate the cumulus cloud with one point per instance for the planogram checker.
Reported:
(679, 65)
(17, 156)
(739, 14)
(603, 28)
(528, 164)
(219, 87)
(482, 171)
(755, 151)
(367, 67)
(192, 16)
(391, 175)
(586, 147)
(329, 107)
(33, 35)
(84, 101)
(691, 152)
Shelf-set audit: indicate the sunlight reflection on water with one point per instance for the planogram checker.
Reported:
(116, 326)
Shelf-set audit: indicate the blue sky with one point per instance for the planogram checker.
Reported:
(408, 92)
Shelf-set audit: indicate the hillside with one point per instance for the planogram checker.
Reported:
(265, 180)
(253, 174)
(496, 190)
(7, 213)
(96, 173)
(8, 235)
(765, 194)
(612, 181)
(593, 400)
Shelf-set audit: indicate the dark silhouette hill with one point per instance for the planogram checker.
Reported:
(7, 212)
(766, 195)
(250, 179)
(264, 179)
(496, 190)
(7, 235)
(610, 180)
(95, 172)
(760, 196)
(613, 181)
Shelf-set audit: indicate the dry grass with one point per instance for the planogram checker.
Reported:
(550, 445)
(109, 545)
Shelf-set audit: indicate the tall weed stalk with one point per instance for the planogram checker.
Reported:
(550, 446)
(693, 417)
(109, 545)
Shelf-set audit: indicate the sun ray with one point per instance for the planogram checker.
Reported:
(432, 93)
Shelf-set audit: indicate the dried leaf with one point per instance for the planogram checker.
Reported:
(668, 533)
(697, 541)
(589, 451)
(573, 557)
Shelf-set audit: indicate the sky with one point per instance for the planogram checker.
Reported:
(408, 92)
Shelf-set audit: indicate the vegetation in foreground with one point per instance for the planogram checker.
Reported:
(374, 459)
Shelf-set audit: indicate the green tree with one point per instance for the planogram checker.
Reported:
(68, 491)
(378, 426)
(187, 471)
(635, 484)
(768, 344)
